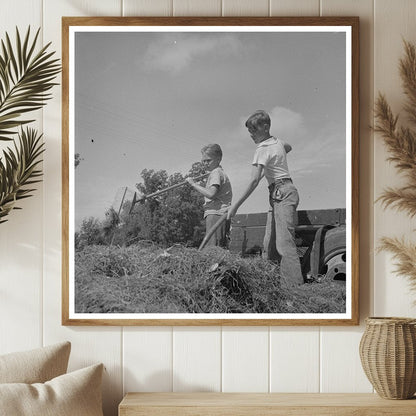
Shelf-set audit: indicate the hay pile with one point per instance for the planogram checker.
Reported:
(147, 279)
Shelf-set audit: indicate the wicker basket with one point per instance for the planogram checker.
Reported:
(388, 356)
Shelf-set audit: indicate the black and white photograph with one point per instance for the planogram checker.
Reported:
(210, 173)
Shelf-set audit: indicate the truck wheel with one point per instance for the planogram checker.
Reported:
(334, 253)
(336, 268)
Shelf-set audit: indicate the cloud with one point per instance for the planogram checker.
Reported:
(315, 151)
(287, 124)
(322, 149)
(174, 53)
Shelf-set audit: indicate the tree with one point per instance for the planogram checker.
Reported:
(173, 217)
(78, 159)
(90, 233)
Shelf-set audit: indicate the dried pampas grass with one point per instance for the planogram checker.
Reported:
(405, 254)
(401, 143)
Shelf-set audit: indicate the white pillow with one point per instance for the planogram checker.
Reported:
(35, 366)
(73, 394)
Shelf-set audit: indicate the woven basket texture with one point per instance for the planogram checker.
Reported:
(388, 356)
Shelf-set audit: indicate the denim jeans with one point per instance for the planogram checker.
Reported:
(279, 238)
(220, 237)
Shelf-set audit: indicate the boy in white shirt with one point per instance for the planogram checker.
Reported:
(270, 161)
(217, 193)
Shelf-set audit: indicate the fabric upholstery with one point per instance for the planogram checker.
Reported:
(35, 366)
(73, 394)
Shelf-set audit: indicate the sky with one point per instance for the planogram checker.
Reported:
(153, 100)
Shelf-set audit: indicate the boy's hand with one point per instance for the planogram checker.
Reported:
(190, 181)
(231, 212)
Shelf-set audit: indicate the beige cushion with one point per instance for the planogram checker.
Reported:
(73, 394)
(35, 366)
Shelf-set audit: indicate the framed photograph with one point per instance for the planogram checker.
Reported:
(210, 171)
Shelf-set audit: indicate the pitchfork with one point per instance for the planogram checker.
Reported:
(139, 197)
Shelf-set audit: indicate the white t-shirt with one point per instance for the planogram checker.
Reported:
(222, 199)
(271, 154)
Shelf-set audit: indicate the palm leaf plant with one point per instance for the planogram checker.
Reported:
(401, 143)
(26, 78)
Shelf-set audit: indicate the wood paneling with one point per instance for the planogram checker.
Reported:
(341, 370)
(196, 359)
(21, 237)
(245, 8)
(245, 359)
(294, 8)
(20, 13)
(294, 351)
(147, 7)
(147, 359)
(197, 7)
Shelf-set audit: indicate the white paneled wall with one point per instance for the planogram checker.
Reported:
(148, 359)
(21, 282)
(205, 8)
(294, 351)
(260, 359)
(148, 7)
(196, 359)
(295, 8)
(245, 359)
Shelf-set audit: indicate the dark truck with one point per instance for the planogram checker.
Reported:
(320, 239)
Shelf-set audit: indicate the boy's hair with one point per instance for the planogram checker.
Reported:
(212, 150)
(260, 117)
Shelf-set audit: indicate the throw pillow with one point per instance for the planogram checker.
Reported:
(35, 366)
(73, 394)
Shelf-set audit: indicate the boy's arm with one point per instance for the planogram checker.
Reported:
(287, 147)
(256, 175)
(209, 192)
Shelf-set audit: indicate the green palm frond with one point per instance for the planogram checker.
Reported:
(26, 78)
(19, 170)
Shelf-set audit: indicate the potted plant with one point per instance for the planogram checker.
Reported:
(388, 345)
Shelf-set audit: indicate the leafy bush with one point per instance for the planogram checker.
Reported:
(172, 217)
(90, 233)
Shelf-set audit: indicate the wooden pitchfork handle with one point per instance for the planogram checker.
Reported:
(211, 232)
(162, 191)
(177, 185)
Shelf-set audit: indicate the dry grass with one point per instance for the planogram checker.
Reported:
(146, 279)
(400, 141)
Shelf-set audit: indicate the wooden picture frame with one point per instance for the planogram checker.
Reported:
(310, 86)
